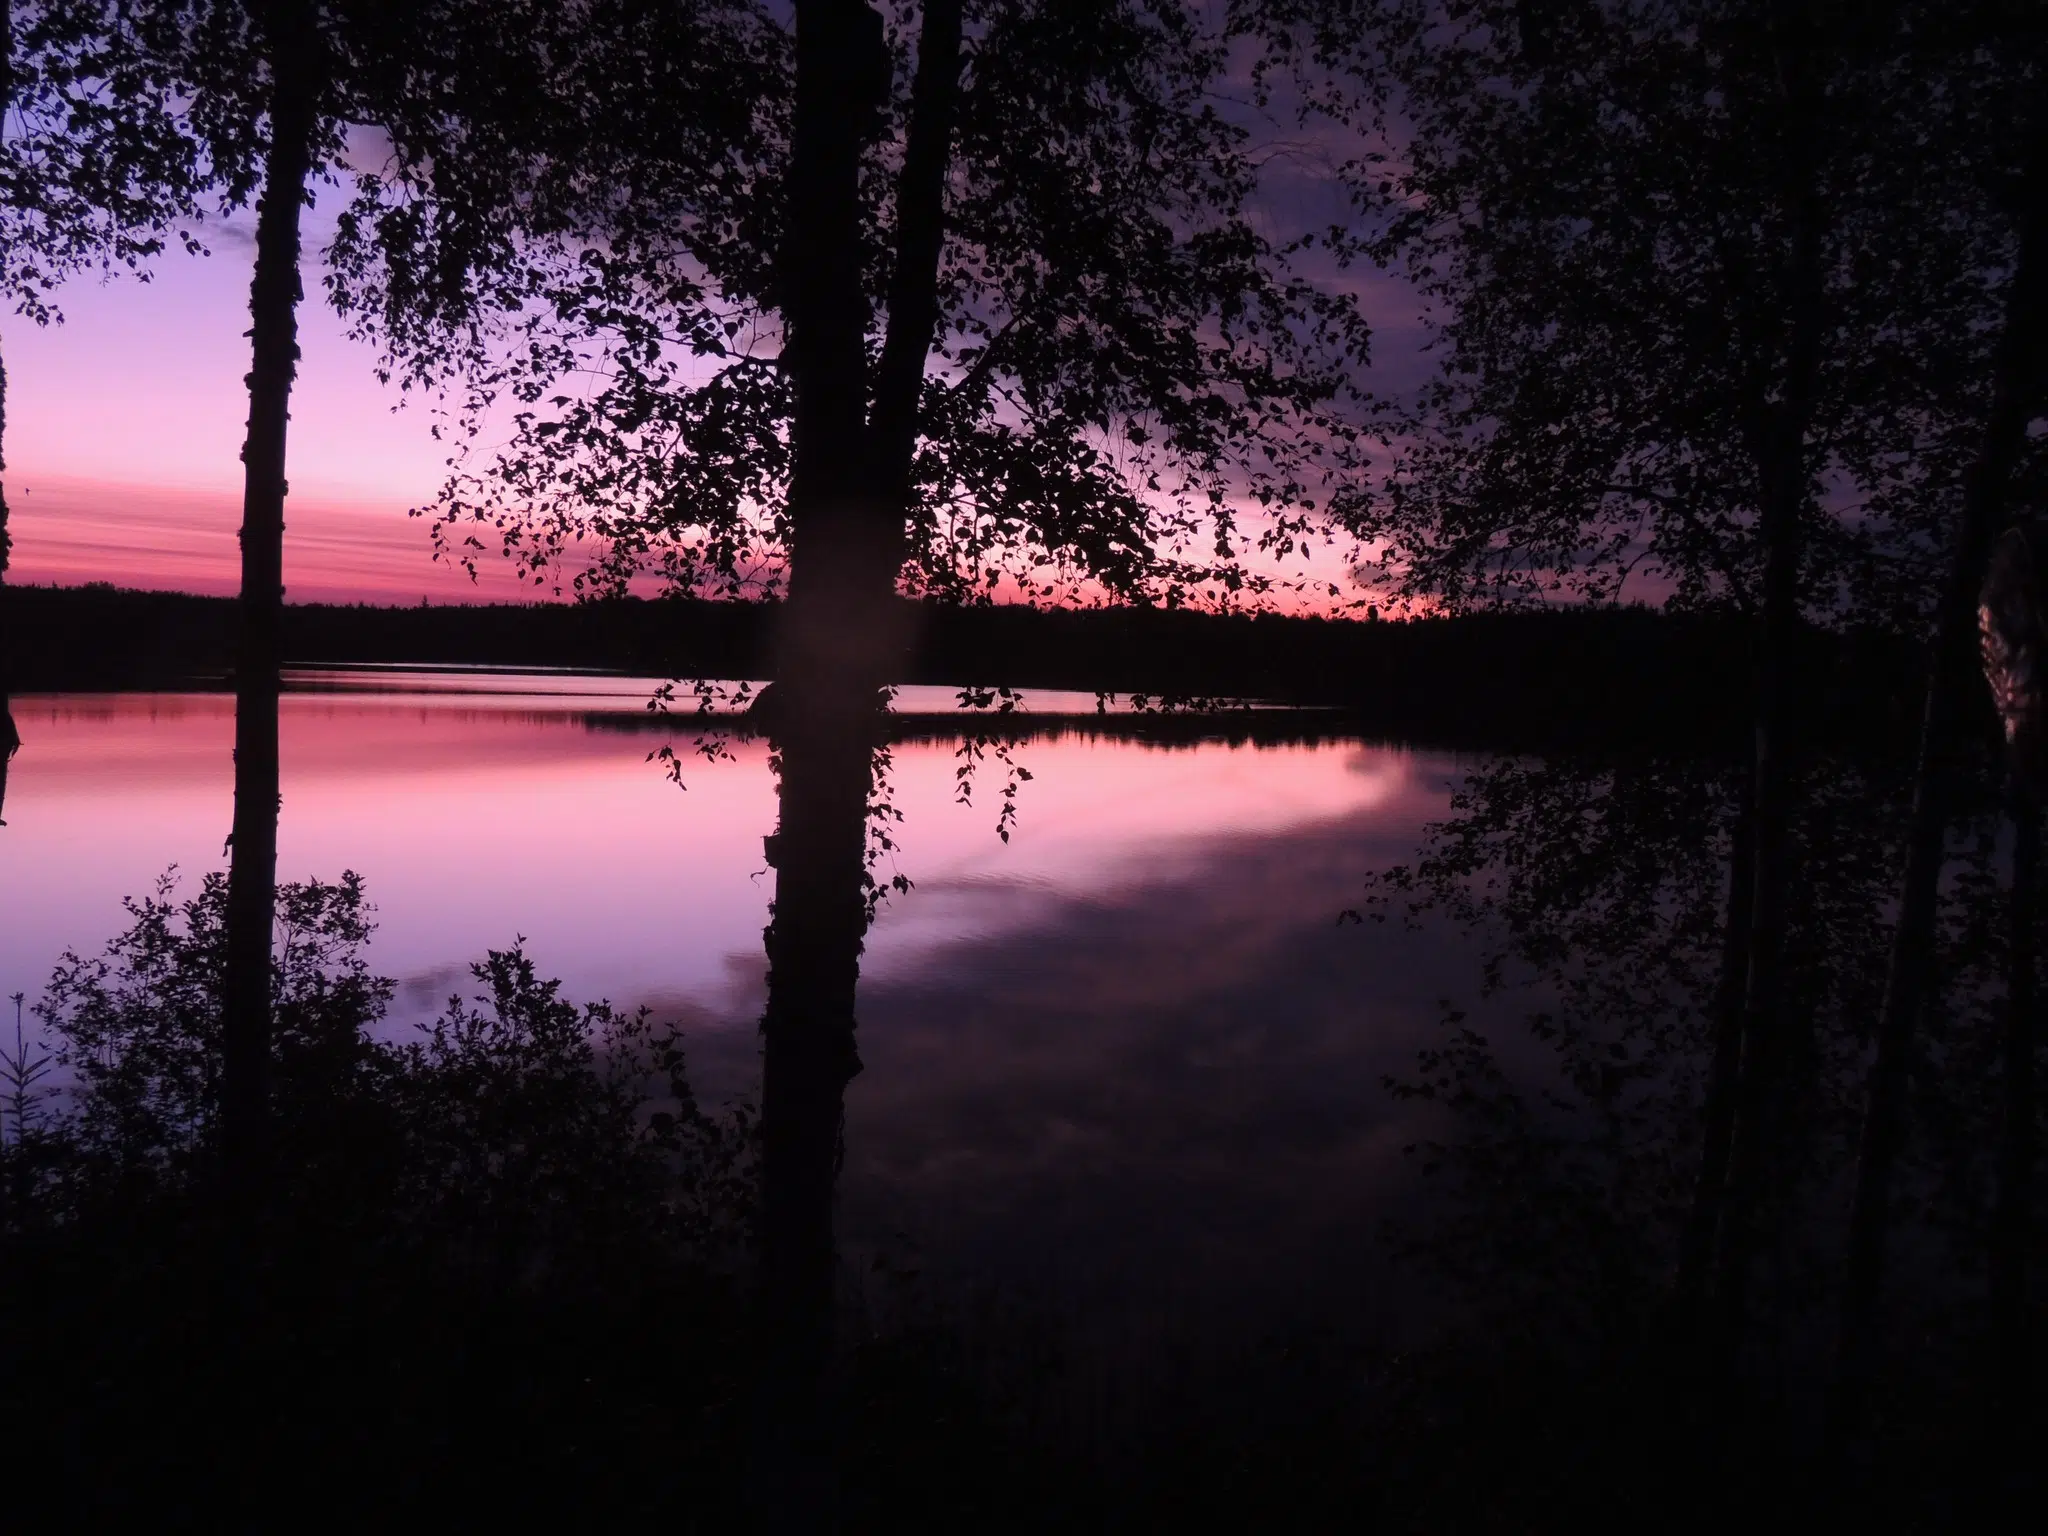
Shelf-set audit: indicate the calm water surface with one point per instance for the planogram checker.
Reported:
(1130, 1048)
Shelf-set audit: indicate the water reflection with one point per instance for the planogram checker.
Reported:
(1129, 1065)
(1126, 1049)
(1151, 963)
(476, 822)
(10, 743)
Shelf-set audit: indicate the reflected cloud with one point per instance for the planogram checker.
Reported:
(1172, 1085)
(1181, 1077)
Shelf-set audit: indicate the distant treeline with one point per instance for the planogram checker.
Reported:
(1486, 678)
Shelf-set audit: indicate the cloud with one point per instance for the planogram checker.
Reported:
(69, 529)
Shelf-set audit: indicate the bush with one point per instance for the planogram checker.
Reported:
(497, 1254)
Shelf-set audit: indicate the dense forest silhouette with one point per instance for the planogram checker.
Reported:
(1530, 678)
(831, 321)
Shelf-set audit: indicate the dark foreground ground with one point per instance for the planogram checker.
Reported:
(498, 1274)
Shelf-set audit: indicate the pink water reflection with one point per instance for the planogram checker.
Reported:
(505, 807)
(1127, 1057)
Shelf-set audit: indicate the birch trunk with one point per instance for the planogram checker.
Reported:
(252, 875)
(1777, 421)
(10, 738)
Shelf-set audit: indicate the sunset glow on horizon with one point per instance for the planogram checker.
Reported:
(125, 427)
(124, 439)
(69, 531)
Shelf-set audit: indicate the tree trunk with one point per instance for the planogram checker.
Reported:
(252, 874)
(842, 642)
(1759, 1085)
(2012, 1224)
(828, 666)
(2016, 388)
(814, 942)
(10, 738)
(920, 236)
(1777, 422)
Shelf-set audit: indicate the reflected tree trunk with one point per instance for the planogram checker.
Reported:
(814, 943)
(2016, 394)
(10, 743)
(274, 297)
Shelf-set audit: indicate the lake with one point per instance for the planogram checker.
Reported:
(1129, 1054)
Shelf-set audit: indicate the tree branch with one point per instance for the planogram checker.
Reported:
(920, 233)
(1683, 511)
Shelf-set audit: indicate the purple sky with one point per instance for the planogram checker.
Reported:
(125, 423)
(124, 434)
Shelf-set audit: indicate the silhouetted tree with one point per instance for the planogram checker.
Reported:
(1104, 314)
(287, 38)
(1715, 281)
(982, 304)
(2013, 639)
(2019, 374)
(275, 90)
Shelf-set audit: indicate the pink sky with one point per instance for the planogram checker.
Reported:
(125, 424)
(124, 435)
